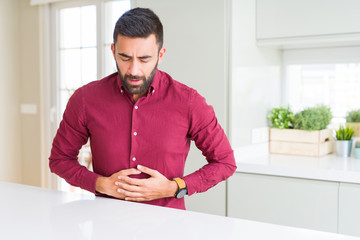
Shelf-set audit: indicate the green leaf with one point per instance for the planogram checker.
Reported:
(353, 116)
(281, 117)
(344, 133)
(314, 118)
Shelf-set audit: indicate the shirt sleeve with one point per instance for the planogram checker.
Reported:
(211, 139)
(70, 137)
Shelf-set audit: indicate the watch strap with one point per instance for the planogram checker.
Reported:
(180, 182)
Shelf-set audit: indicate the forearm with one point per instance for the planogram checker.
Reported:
(211, 139)
(70, 137)
(74, 173)
(210, 175)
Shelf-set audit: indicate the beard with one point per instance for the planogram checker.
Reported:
(137, 89)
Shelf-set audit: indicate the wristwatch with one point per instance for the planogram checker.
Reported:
(182, 190)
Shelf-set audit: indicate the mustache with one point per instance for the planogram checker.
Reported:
(129, 76)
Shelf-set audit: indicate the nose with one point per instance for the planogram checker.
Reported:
(134, 68)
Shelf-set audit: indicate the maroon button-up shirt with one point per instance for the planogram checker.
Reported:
(154, 132)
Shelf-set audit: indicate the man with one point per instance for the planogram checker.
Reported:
(140, 123)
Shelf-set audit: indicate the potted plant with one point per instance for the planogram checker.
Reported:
(357, 150)
(281, 117)
(304, 133)
(314, 118)
(343, 141)
(353, 120)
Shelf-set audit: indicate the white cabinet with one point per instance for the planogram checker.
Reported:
(282, 200)
(309, 21)
(349, 209)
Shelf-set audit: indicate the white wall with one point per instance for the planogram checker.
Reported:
(10, 125)
(29, 66)
(195, 35)
(20, 159)
(255, 78)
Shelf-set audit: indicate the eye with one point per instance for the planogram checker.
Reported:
(144, 59)
(125, 59)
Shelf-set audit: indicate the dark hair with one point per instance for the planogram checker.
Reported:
(139, 23)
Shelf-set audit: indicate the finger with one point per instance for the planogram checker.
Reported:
(127, 194)
(130, 171)
(117, 194)
(147, 170)
(127, 172)
(132, 181)
(128, 187)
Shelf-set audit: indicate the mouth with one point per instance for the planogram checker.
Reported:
(135, 82)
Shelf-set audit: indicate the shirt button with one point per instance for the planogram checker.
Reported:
(136, 107)
(135, 133)
(153, 91)
(134, 159)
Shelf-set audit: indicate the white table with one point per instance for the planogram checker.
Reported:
(33, 213)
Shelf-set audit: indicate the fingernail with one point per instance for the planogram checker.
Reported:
(119, 190)
(139, 166)
(116, 183)
(119, 177)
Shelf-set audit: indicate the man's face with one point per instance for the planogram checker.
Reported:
(136, 61)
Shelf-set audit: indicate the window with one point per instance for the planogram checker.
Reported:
(77, 50)
(323, 76)
(82, 37)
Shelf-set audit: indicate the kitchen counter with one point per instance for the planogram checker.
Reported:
(35, 213)
(327, 168)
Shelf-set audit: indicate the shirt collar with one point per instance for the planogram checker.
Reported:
(152, 89)
(155, 83)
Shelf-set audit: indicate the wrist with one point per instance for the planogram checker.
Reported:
(173, 187)
(181, 189)
(99, 184)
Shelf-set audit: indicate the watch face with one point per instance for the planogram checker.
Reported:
(181, 193)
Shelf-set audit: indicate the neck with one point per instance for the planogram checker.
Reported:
(137, 96)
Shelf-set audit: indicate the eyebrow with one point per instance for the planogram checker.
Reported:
(124, 55)
(127, 56)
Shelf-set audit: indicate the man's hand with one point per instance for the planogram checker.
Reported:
(140, 190)
(106, 185)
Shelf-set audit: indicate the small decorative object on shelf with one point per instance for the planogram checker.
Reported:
(353, 120)
(303, 134)
(344, 141)
(357, 150)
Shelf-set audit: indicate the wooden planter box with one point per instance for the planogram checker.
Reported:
(300, 142)
(356, 127)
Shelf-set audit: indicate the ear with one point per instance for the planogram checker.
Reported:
(113, 49)
(161, 54)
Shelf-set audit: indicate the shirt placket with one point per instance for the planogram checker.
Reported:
(134, 137)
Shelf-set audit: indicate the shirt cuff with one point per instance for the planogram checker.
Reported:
(191, 181)
(89, 181)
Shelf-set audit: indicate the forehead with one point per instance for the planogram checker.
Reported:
(136, 45)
